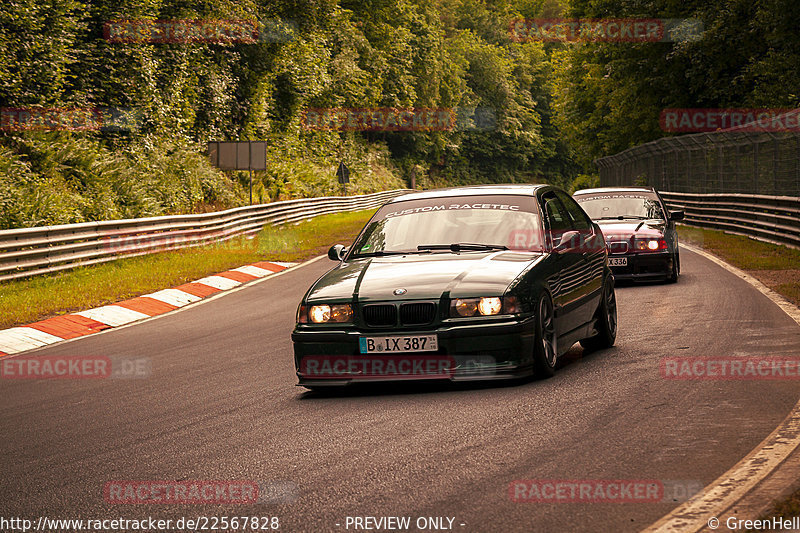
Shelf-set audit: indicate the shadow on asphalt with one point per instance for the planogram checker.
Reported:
(576, 354)
(627, 283)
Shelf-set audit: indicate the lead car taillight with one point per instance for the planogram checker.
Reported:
(650, 245)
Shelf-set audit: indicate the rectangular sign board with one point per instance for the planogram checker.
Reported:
(241, 155)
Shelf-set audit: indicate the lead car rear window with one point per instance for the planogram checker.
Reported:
(497, 220)
(609, 206)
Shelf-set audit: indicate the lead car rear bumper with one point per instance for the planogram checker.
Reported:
(497, 350)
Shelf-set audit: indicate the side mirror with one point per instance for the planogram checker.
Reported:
(677, 215)
(336, 252)
(569, 239)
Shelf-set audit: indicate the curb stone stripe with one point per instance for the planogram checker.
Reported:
(69, 326)
(113, 315)
(253, 271)
(174, 297)
(241, 277)
(147, 305)
(197, 289)
(64, 327)
(219, 282)
(272, 267)
(23, 338)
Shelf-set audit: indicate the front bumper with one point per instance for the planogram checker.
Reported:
(646, 266)
(475, 351)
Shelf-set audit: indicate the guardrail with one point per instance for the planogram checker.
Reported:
(768, 218)
(33, 251)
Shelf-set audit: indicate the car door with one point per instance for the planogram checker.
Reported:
(593, 257)
(567, 284)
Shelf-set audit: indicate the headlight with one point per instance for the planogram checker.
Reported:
(487, 306)
(324, 314)
(466, 307)
(490, 306)
(650, 245)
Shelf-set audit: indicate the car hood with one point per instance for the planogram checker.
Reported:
(625, 229)
(422, 276)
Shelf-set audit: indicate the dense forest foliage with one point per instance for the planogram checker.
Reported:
(611, 94)
(555, 106)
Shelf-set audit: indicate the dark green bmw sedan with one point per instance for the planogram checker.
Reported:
(485, 282)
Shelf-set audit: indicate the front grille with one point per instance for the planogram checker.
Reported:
(617, 247)
(380, 315)
(417, 314)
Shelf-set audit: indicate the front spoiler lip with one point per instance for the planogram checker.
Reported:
(515, 372)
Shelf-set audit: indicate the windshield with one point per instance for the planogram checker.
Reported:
(451, 224)
(618, 206)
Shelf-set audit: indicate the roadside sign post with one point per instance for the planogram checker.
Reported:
(343, 175)
(250, 167)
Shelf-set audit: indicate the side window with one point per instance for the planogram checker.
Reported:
(663, 206)
(652, 208)
(557, 218)
(580, 220)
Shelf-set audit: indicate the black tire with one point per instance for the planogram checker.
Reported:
(676, 269)
(606, 320)
(545, 348)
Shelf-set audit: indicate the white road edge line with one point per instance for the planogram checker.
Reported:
(730, 487)
(185, 307)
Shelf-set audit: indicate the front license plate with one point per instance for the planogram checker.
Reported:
(617, 261)
(395, 344)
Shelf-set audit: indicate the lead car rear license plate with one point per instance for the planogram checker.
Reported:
(399, 344)
(617, 261)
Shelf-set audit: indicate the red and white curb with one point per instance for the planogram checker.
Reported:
(60, 328)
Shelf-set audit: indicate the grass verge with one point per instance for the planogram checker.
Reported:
(782, 510)
(29, 300)
(777, 267)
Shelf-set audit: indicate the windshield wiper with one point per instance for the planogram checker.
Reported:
(459, 246)
(381, 253)
(623, 217)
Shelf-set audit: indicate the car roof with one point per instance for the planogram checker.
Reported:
(601, 190)
(528, 189)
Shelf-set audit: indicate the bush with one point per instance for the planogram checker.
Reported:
(584, 181)
(63, 179)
